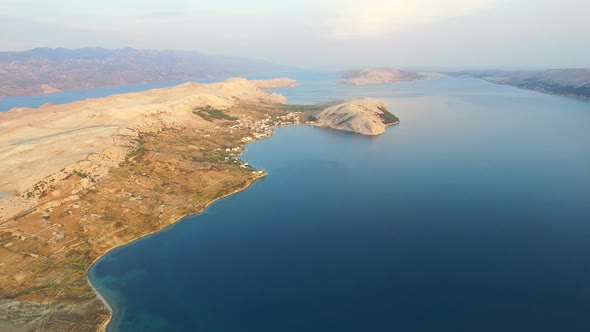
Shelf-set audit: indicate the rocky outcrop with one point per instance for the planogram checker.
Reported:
(363, 116)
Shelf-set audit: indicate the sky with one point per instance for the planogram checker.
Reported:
(318, 33)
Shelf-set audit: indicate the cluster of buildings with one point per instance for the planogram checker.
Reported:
(260, 129)
(265, 127)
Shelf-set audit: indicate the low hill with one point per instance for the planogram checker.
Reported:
(363, 116)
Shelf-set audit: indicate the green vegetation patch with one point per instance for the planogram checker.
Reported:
(309, 111)
(209, 113)
(312, 108)
(80, 263)
(81, 174)
(302, 108)
(386, 116)
(137, 152)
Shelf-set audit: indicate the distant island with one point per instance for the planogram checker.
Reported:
(384, 75)
(79, 179)
(48, 70)
(564, 82)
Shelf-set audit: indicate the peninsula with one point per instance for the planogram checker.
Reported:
(574, 82)
(79, 179)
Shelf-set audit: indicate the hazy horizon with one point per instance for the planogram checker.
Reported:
(458, 34)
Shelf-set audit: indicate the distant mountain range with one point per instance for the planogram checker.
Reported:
(565, 82)
(46, 70)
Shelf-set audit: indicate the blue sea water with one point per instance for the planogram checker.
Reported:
(473, 214)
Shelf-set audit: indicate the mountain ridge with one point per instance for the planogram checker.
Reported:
(46, 70)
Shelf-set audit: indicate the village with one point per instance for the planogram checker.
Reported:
(265, 127)
(260, 129)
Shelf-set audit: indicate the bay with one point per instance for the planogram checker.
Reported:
(473, 214)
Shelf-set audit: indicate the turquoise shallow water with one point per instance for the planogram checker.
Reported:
(473, 214)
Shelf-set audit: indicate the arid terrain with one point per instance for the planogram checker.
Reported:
(82, 178)
(79, 179)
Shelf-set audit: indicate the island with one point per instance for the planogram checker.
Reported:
(384, 75)
(574, 82)
(79, 179)
(363, 116)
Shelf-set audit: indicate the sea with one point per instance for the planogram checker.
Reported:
(472, 214)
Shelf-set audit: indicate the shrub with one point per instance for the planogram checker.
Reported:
(209, 113)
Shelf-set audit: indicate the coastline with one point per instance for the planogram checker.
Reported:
(83, 221)
(73, 211)
(316, 125)
(154, 188)
(83, 213)
(103, 326)
(126, 206)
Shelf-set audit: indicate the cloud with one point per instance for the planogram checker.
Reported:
(378, 17)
